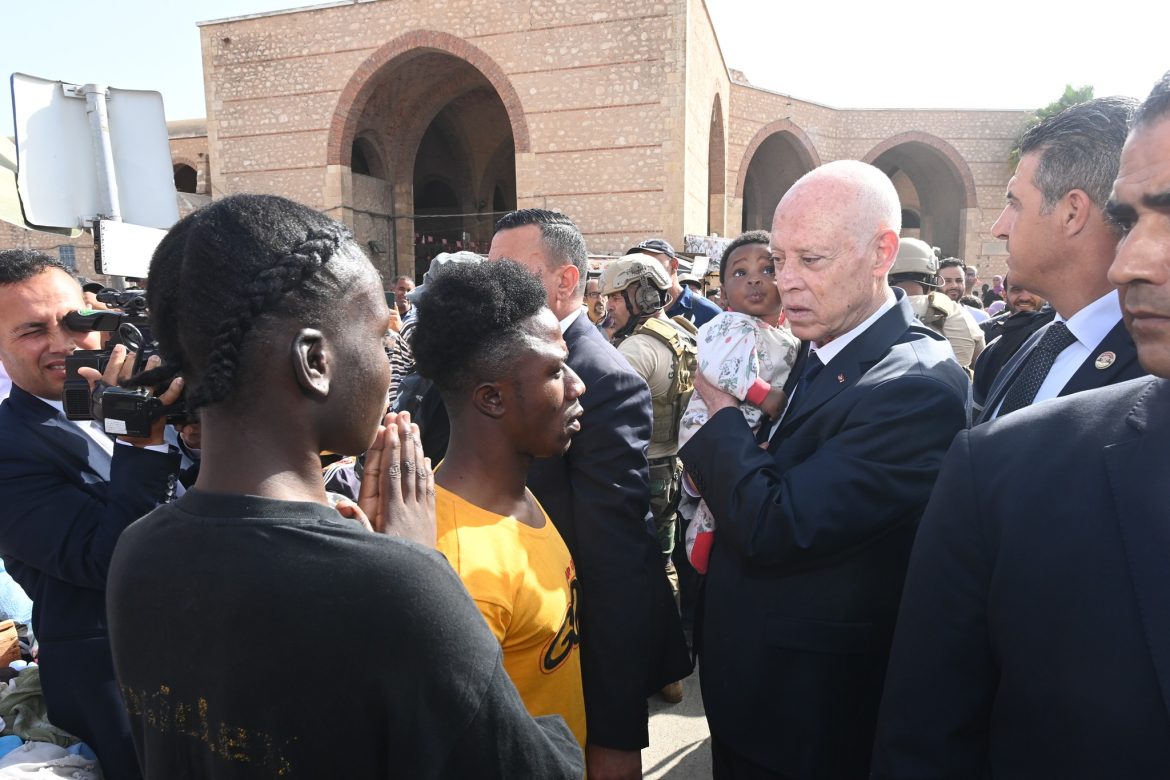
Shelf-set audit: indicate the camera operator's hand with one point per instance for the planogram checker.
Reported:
(121, 367)
(398, 486)
(191, 434)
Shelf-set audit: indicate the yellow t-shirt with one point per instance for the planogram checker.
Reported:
(524, 582)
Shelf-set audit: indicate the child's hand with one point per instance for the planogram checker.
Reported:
(774, 403)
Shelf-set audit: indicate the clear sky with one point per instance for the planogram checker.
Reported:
(898, 54)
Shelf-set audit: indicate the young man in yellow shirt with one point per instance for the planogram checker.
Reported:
(495, 352)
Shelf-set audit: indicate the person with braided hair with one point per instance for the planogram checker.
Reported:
(219, 601)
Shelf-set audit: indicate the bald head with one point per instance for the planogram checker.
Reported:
(835, 236)
(863, 193)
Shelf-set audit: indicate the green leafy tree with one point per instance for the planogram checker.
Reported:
(1071, 97)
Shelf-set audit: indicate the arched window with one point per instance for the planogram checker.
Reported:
(365, 159)
(185, 178)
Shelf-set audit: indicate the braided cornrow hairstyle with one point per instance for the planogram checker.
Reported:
(161, 300)
(223, 269)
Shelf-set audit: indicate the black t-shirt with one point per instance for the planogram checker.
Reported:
(261, 638)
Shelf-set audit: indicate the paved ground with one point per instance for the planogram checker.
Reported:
(679, 740)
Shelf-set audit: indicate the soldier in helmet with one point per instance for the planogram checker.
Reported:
(916, 272)
(663, 351)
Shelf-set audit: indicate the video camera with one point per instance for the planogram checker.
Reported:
(122, 411)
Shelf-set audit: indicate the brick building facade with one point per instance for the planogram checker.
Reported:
(417, 122)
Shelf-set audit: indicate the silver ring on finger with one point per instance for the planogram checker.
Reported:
(408, 466)
(393, 470)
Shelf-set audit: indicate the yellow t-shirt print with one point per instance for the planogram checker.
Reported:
(525, 584)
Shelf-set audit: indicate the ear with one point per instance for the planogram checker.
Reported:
(885, 252)
(488, 400)
(567, 280)
(311, 361)
(1075, 210)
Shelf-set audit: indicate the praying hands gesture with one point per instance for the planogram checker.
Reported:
(398, 486)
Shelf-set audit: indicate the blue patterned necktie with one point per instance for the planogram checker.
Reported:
(1027, 383)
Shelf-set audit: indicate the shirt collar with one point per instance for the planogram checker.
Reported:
(1092, 324)
(571, 317)
(92, 428)
(837, 345)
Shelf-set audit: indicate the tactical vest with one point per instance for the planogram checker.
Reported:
(679, 336)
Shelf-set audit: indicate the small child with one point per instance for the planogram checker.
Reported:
(746, 351)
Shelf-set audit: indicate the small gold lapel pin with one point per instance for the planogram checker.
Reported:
(1104, 360)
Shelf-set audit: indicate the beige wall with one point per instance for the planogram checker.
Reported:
(706, 79)
(610, 106)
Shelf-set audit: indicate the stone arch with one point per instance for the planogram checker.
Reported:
(717, 170)
(802, 144)
(435, 107)
(945, 150)
(942, 181)
(364, 82)
(779, 154)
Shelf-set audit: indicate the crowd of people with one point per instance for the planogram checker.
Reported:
(903, 540)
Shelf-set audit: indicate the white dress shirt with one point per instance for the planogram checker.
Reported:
(1090, 325)
(829, 351)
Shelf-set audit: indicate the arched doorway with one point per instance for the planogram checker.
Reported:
(432, 149)
(779, 155)
(186, 178)
(934, 183)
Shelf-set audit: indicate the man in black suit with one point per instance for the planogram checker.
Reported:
(1060, 244)
(1034, 635)
(812, 535)
(598, 496)
(67, 490)
(1006, 333)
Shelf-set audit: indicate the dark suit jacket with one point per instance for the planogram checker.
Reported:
(65, 503)
(811, 544)
(1034, 636)
(1125, 366)
(1005, 335)
(598, 496)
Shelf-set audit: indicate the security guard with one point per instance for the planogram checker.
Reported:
(916, 271)
(664, 352)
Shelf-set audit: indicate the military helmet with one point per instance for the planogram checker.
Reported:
(640, 269)
(916, 262)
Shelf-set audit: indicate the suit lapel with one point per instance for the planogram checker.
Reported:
(1088, 375)
(1141, 495)
(845, 369)
(73, 449)
(1004, 379)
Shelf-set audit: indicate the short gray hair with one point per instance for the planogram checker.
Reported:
(1079, 149)
(1157, 105)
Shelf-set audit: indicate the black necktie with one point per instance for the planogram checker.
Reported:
(812, 367)
(1027, 383)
